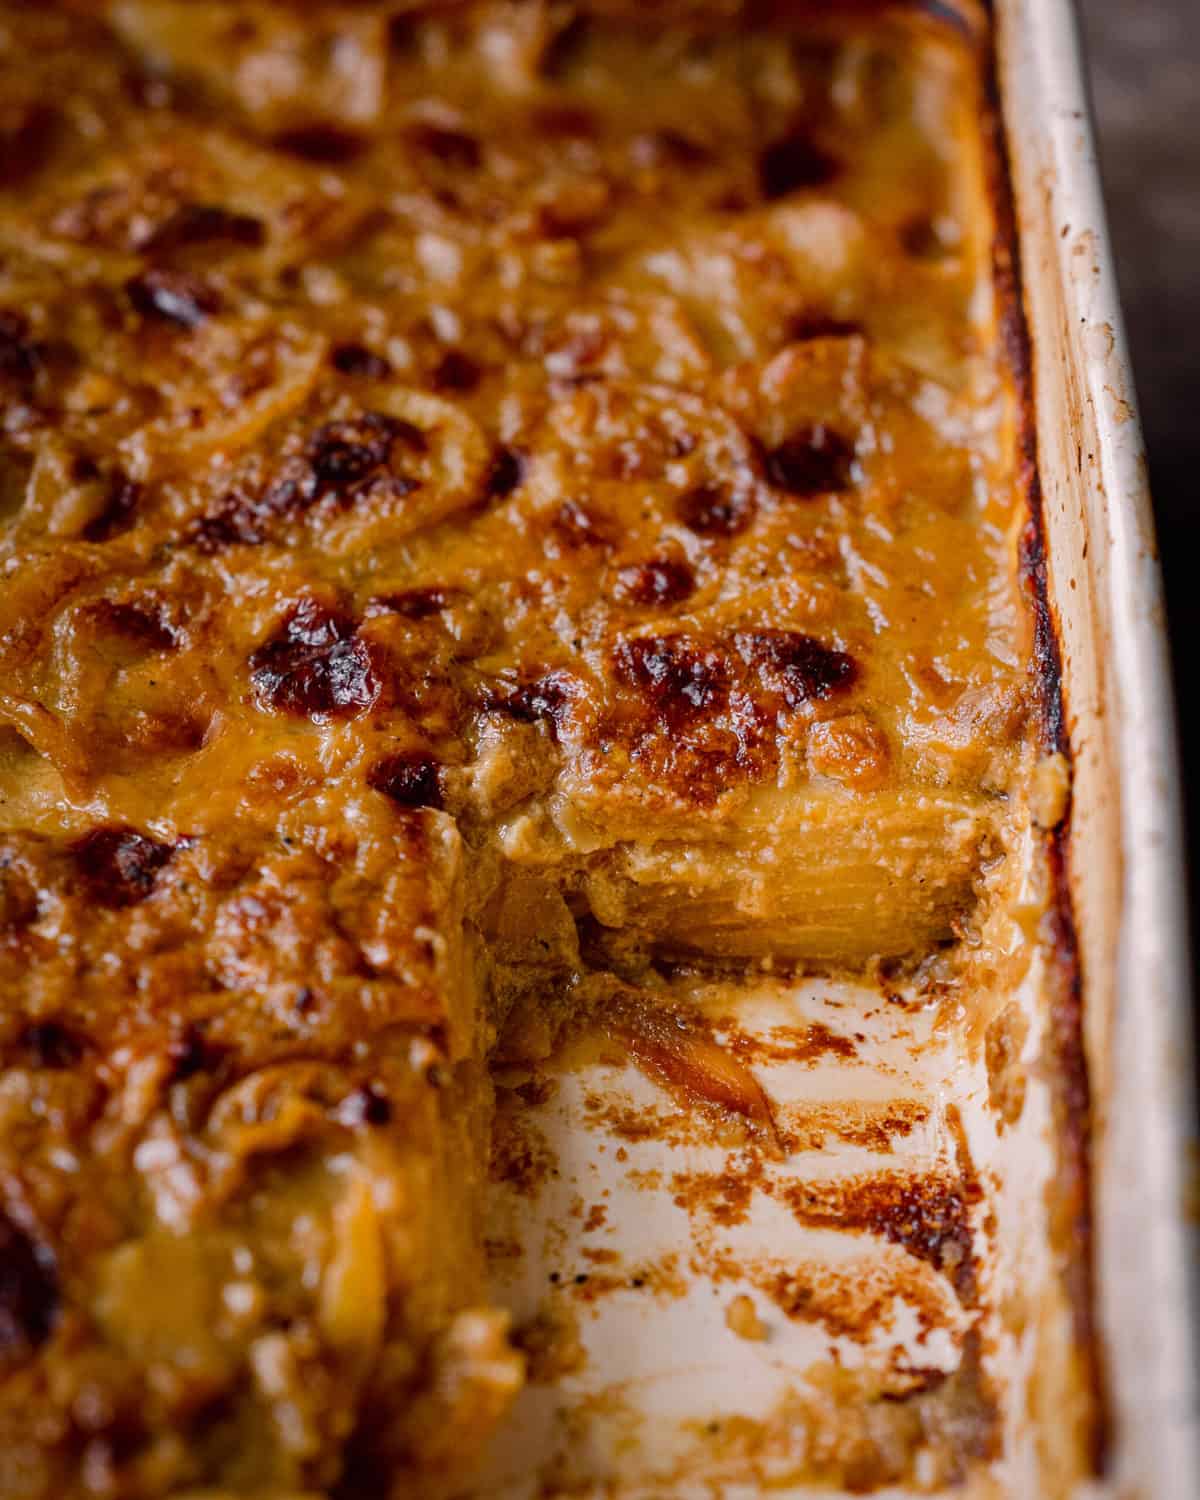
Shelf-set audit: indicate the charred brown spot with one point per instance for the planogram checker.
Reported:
(403, 33)
(925, 239)
(456, 371)
(316, 666)
(409, 779)
(813, 325)
(412, 604)
(565, 48)
(241, 519)
(173, 297)
(506, 474)
(711, 510)
(367, 1105)
(662, 580)
(799, 667)
(27, 134)
(19, 899)
(204, 224)
(191, 1053)
(18, 356)
(342, 461)
(119, 866)
(453, 148)
(566, 120)
(327, 145)
(408, 435)
(731, 202)
(573, 211)
(28, 1293)
(575, 524)
(680, 677)
(793, 162)
(50, 1044)
(546, 701)
(356, 359)
(342, 453)
(117, 512)
(149, 89)
(144, 626)
(812, 461)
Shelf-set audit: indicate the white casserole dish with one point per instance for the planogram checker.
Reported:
(1125, 854)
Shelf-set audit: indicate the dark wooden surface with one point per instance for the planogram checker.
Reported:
(1144, 59)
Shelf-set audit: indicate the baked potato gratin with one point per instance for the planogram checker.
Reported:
(502, 504)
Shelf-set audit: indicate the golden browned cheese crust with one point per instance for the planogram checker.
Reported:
(466, 472)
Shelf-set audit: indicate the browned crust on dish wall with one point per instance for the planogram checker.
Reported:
(1071, 1207)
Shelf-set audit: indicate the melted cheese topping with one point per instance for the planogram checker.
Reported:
(471, 479)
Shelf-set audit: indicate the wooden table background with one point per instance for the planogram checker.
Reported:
(1145, 71)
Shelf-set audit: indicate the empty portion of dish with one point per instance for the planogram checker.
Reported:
(700, 1304)
(508, 510)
